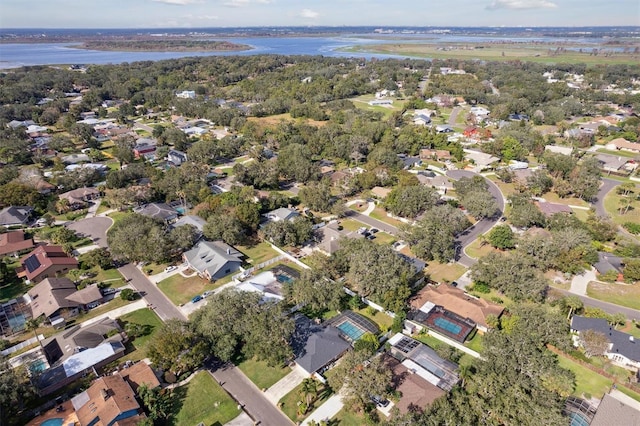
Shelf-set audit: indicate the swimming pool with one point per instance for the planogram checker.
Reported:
(447, 325)
(53, 422)
(38, 366)
(578, 419)
(353, 332)
(285, 279)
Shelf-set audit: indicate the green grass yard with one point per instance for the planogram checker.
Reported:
(145, 317)
(383, 320)
(261, 374)
(441, 272)
(289, 403)
(258, 253)
(181, 289)
(202, 401)
(587, 381)
(612, 206)
(619, 294)
(348, 418)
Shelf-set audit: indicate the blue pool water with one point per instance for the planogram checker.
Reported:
(578, 419)
(180, 210)
(38, 366)
(351, 330)
(447, 325)
(52, 422)
(283, 278)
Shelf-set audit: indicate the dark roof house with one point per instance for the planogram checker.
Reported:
(15, 215)
(213, 259)
(160, 211)
(315, 346)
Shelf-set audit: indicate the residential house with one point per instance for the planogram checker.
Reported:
(186, 94)
(329, 237)
(380, 192)
(416, 393)
(266, 283)
(623, 144)
(144, 147)
(195, 221)
(16, 215)
(477, 133)
(46, 262)
(79, 365)
(518, 117)
(176, 157)
(381, 102)
(444, 128)
(480, 113)
(213, 259)
(549, 209)
(53, 295)
(80, 197)
(623, 349)
(435, 154)
(457, 301)
(161, 211)
(616, 408)
(424, 361)
(481, 160)
(14, 124)
(315, 347)
(281, 214)
(76, 158)
(613, 164)
(410, 162)
(441, 183)
(14, 242)
(609, 262)
(564, 150)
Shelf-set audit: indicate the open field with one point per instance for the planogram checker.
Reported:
(261, 374)
(620, 294)
(495, 52)
(202, 401)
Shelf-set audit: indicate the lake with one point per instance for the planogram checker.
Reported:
(24, 54)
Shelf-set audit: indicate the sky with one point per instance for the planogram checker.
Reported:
(239, 13)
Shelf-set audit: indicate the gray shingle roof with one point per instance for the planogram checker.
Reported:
(612, 411)
(623, 343)
(316, 346)
(158, 210)
(212, 256)
(14, 215)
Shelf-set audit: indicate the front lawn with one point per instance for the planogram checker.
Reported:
(181, 289)
(612, 206)
(383, 238)
(290, 402)
(261, 374)
(381, 215)
(619, 294)
(149, 320)
(441, 272)
(587, 381)
(258, 253)
(348, 418)
(478, 249)
(202, 401)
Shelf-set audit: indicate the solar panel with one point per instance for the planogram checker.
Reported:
(32, 263)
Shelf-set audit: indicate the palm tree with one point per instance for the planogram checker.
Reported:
(32, 325)
(309, 389)
(464, 372)
(573, 303)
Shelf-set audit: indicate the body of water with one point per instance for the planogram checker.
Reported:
(25, 54)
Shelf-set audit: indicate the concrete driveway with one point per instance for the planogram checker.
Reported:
(286, 385)
(94, 228)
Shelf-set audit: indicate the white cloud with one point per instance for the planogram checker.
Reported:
(264, 1)
(308, 14)
(178, 2)
(521, 4)
(236, 3)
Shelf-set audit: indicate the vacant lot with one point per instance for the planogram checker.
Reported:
(620, 294)
(261, 374)
(202, 401)
(181, 289)
(145, 318)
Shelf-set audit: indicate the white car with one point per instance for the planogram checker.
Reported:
(170, 268)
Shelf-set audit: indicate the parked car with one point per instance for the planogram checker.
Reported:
(380, 402)
(93, 305)
(196, 299)
(207, 293)
(108, 290)
(170, 268)
(373, 230)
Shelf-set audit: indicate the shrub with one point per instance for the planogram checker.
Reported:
(634, 228)
(481, 288)
(127, 294)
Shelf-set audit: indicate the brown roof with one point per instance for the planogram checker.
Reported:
(89, 294)
(549, 209)
(380, 192)
(50, 295)
(108, 397)
(140, 374)
(622, 143)
(79, 195)
(42, 258)
(457, 301)
(12, 242)
(416, 392)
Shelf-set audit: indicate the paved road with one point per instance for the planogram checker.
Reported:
(598, 204)
(249, 396)
(163, 306)
(454, 116)
(95, 227)
(609, 308)
(482, 226)
(383, 226)
(142, 126)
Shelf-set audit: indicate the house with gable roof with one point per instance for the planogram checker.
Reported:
(213, 259)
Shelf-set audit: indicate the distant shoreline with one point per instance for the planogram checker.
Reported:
(162, 46)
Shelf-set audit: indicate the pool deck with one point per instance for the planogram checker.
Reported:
(68, 415)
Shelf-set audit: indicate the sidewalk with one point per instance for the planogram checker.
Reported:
(116, 313)
(326, 411)
(285, 385)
